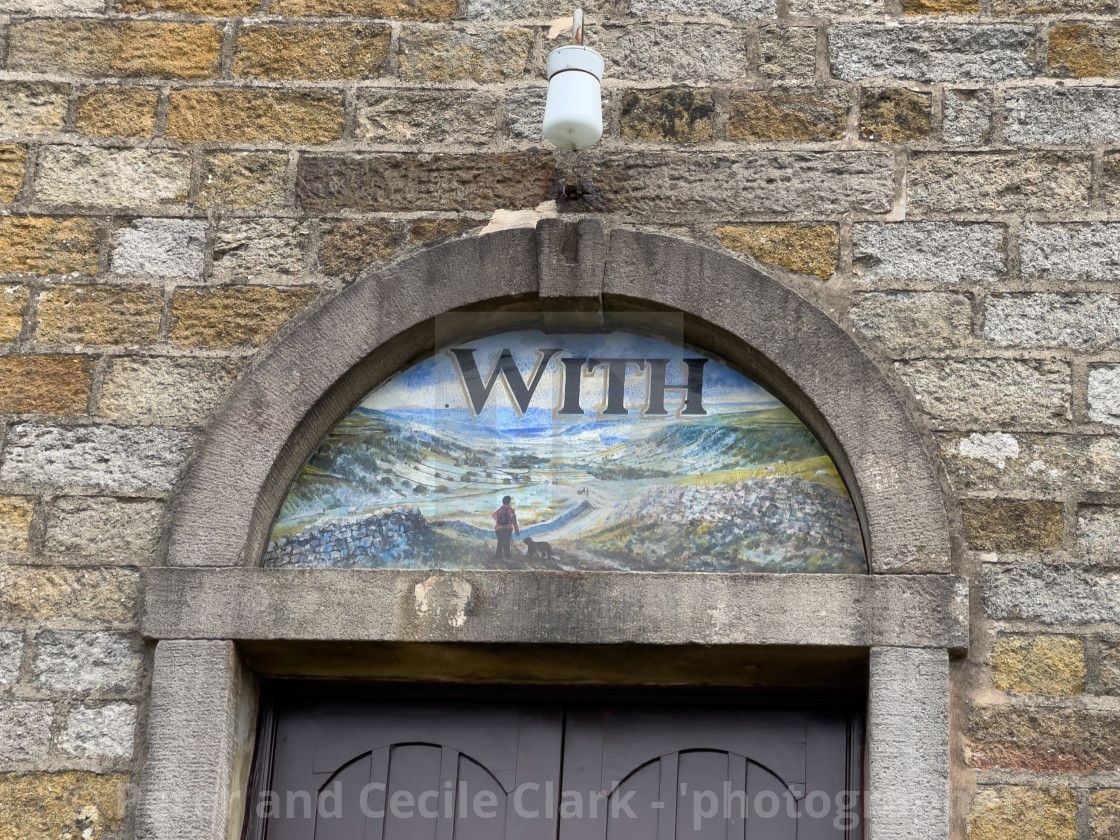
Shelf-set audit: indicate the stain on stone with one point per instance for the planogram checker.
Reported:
(894, 115)
(672, 115)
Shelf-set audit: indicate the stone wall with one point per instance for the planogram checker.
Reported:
(180, 178)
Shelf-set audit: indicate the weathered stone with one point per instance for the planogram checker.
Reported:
(394, 182)
(1061, 115)
(100, 315)
(452, 54)
(309, 52)
(787, 52)
(239, 116)
(62, 805)
(1105, 814)
(40, 245)
(1081, 321)
(837, 8)
(914, 322)
(115, 48)
(940, 7)
(1051, 593)
(788, 114)
(1084, 50)
(1045, 740)
(748, 182)
(13, 164)
(108, 531)
(51, 7)
(670, 115)
(1070, 251)
(100, 731)
(225, 318)
(217, 8)
(990, 391)
(549, 10)
(260, 250)
(97, 457)
(949, 53)
(117, 111)
(25, 730)
(805, 249)
(672, 52)
(1110, 667)
(11, 654)
(105, 597)
(32, 107)
(1012, 811)
(243, 179)
(45, 384)
(91, 662)
(730, 9)
(430, 230)
(13, 304)
(966, 117)
(1104, 395)
(1053, 7)
(1098, 531)
(168, 392)
(1042, 664)
(349, 247)
(894, 115)
(161, 248)
(942, 252)
(15, 522)
(401, 9)
(100, 177)
(392, 115)
(1026, 464)
(525, 115)
(972, 183)
(1012, 524)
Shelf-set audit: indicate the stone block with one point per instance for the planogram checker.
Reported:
(1070, 251)
(1104, 394)
(940, 7)
(1040, 741)
(1008, 525)
(1105, 819)
(1084, 50)
(1056, 116)
(13, 165)
(1051, 594)
(894, 115)
(787, 52)
(240, 180)
(260, 251)
(312, 52)
(350, 247)
(429, 230)
(405, 183)
(1027, 464)
(119, 48)
(837, 8)
(885, 255)
(1080, 321)
(730, 9)
(43, 245)
(161, 248)
(214, 8)
(966, 117)
(1053, 7)
(117, 111)
(393, 115)
(45, 384)
(96, 457)
(449, 54)
(525, 115)
(973, 183)
(52, 7)
(1098, 531)
(104, 530)
(100, 731)
(905, 323)
(399, 9)
(15, 522)
(672, 52)
(169, 392)
(669, 115)
(804, 249)
(88, 662)
(1110, 667)
(100, 177)
(25, 731)
(788, 113)
(62, 805)
(1045, 813)
(1039, 664)
(243, 115)
(13, 305)
(99, 315)
(32, 107)
(1110, 180)
(990, 391)
(92, 596)
(11, 654)
(238, 315)
(924, 53)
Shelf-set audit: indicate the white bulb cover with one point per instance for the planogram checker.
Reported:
(573, 112)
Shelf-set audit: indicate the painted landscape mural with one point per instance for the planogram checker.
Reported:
(618, 452)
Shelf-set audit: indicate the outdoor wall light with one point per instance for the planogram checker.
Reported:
(573, 112)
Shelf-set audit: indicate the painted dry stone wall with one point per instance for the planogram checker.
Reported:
(180, 178)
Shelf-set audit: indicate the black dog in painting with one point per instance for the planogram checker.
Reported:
(538, 549)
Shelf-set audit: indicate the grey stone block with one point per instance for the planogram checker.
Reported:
(32, 107)
(102, 663)
(967, 117)
(914, 322)
(1035, 464)
(1104, 394)
(1062, 115)
(394, 115)
(525, 113)
(52, 7)
(110, 531)
(99, 457)
(730, 9)
(165, 391)
(837, 8)
(787, 52)
(1019, 182)
(1070, 251)
(161, 248)
(1081, 321)
(100, 731)
(1098, 531)
(944, 252)
(25, 731)
(1052, 594)
(260, 251)
(920, 52)
(11, 654)
(908, 744)
(542, 9)
(672, 52)
(99, 177)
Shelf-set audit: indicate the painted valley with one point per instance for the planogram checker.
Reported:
(618, 452)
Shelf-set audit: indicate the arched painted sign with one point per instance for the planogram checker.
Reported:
(617, 451)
